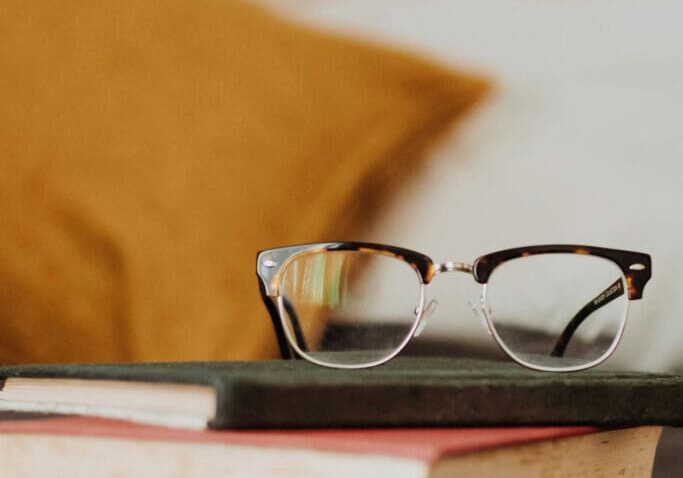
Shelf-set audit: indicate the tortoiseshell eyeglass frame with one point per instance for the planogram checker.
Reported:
(636, 268)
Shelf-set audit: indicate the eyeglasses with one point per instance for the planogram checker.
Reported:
(356, 305)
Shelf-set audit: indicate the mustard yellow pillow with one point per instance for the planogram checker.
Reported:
(148, 149)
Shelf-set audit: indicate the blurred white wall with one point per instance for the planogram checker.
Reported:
(582, 142)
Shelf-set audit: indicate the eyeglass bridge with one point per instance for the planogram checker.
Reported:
(451, 266)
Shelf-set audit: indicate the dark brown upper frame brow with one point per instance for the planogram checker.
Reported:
(636, 277)
(421, 262)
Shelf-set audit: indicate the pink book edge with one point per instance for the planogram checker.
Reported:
(426, 444)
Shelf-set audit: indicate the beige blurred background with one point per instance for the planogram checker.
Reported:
(581, 142)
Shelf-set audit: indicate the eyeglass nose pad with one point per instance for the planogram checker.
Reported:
(480, 313)
(428, 311)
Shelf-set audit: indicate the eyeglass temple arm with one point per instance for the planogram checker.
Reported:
(296, 324)
(270, 302)
(612, 292)
(285, 351)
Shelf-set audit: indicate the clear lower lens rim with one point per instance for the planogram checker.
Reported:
(541, 368)
(293, 343)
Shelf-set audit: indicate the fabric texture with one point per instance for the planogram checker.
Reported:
(149, 149)
(407, 391)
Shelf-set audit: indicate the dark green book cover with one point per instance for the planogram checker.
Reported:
(410, 391)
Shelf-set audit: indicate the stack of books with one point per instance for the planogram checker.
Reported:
(414, 417)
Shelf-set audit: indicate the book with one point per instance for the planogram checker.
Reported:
(410, 391)
(106, 448)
